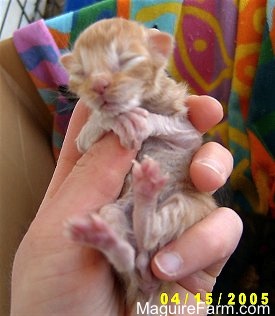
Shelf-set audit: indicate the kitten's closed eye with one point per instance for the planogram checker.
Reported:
(79, 73)
(78, 70)
(128, 61)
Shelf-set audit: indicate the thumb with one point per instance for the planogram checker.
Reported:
(96, 179)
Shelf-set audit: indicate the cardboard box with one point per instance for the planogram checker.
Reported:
(26, 160)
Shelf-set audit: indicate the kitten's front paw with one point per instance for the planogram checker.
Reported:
(85, 138)
(132, 128)
(88, 135)
(82, 143)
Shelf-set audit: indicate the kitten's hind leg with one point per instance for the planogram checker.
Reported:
(105, 231)
(155, 225)
(147, 184)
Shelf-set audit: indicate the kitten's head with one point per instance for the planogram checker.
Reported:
(117, 63)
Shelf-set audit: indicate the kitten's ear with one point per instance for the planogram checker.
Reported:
(161, 43)
(67, 60)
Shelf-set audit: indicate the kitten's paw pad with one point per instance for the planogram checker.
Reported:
(90, 230)
(147, 177)
(76, 229)
(94, 232)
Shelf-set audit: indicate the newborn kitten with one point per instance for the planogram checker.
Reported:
(117, 67)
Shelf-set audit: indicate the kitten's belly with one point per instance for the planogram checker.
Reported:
(174, 161)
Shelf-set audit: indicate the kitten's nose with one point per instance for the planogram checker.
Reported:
(99, 84)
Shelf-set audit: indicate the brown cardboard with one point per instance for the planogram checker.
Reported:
(26, 160)
(11, 63)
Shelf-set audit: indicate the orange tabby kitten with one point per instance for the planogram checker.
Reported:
(117, 67)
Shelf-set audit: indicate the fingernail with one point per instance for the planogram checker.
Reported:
(169, 263)
(213, 165)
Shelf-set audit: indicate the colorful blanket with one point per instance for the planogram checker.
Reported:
(223, 48)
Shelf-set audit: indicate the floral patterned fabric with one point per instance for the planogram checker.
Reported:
(223, 48)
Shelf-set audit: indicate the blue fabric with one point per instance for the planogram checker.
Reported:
(72, 5)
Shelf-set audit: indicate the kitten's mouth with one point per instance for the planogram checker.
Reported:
(108, 106)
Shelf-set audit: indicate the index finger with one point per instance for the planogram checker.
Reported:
(69, 154)
(204, 112)
(205, 244)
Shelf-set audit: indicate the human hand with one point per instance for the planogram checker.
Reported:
(53, 276)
